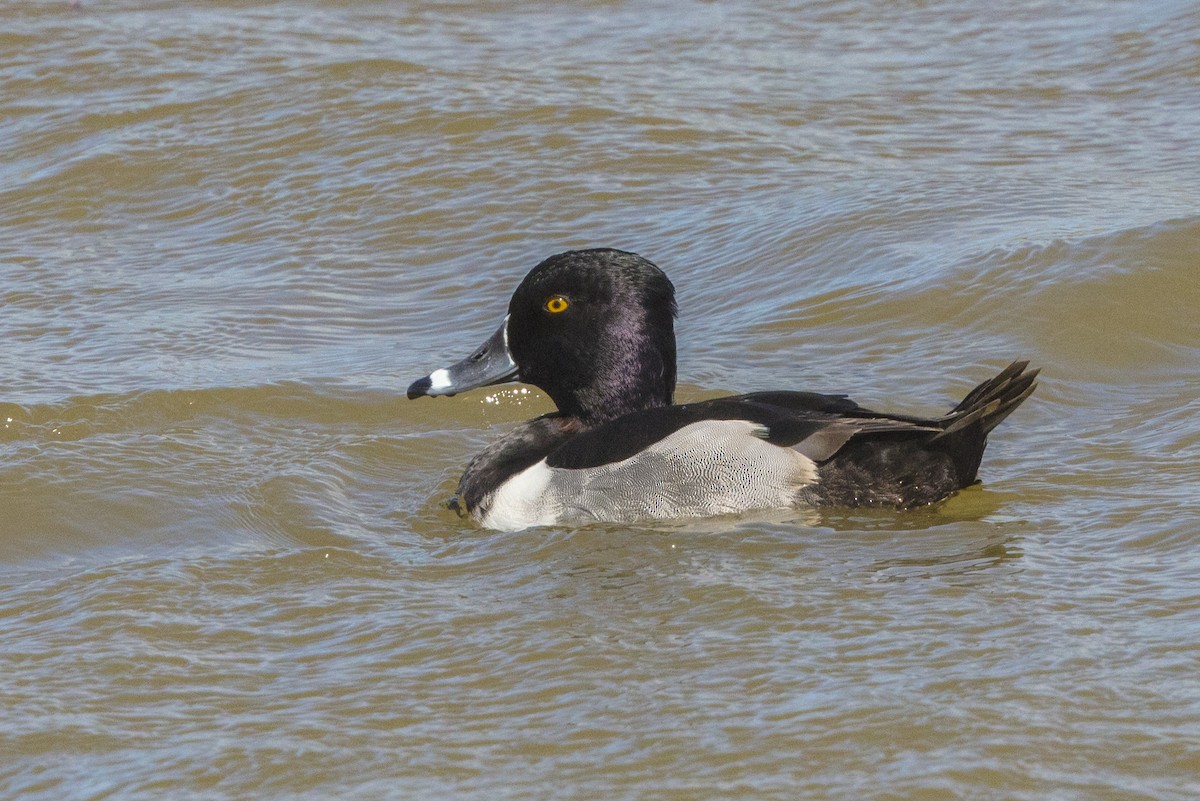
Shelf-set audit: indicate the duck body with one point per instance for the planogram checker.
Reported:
(595, 330)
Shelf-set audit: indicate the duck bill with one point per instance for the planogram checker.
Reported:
(490, 364)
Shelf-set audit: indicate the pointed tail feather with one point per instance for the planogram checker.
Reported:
(993, 400)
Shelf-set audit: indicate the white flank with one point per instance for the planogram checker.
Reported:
(523, 501)
(707, 468)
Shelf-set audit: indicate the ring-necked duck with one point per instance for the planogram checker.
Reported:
(594, 329)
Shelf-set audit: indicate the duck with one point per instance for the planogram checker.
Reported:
(594, 330)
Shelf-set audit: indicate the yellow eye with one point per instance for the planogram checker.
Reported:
(557, 304)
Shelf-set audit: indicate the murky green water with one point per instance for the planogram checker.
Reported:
(232, 233)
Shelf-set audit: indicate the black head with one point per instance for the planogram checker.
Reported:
(595, 329)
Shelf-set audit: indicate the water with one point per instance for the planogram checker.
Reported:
(232, 233)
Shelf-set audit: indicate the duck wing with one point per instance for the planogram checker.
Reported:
(814, 425)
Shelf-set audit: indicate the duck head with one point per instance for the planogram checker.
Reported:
(594, 329)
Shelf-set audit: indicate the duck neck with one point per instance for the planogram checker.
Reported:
(620, 388)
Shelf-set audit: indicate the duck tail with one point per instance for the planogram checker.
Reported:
(992, 401)
(965, 429)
